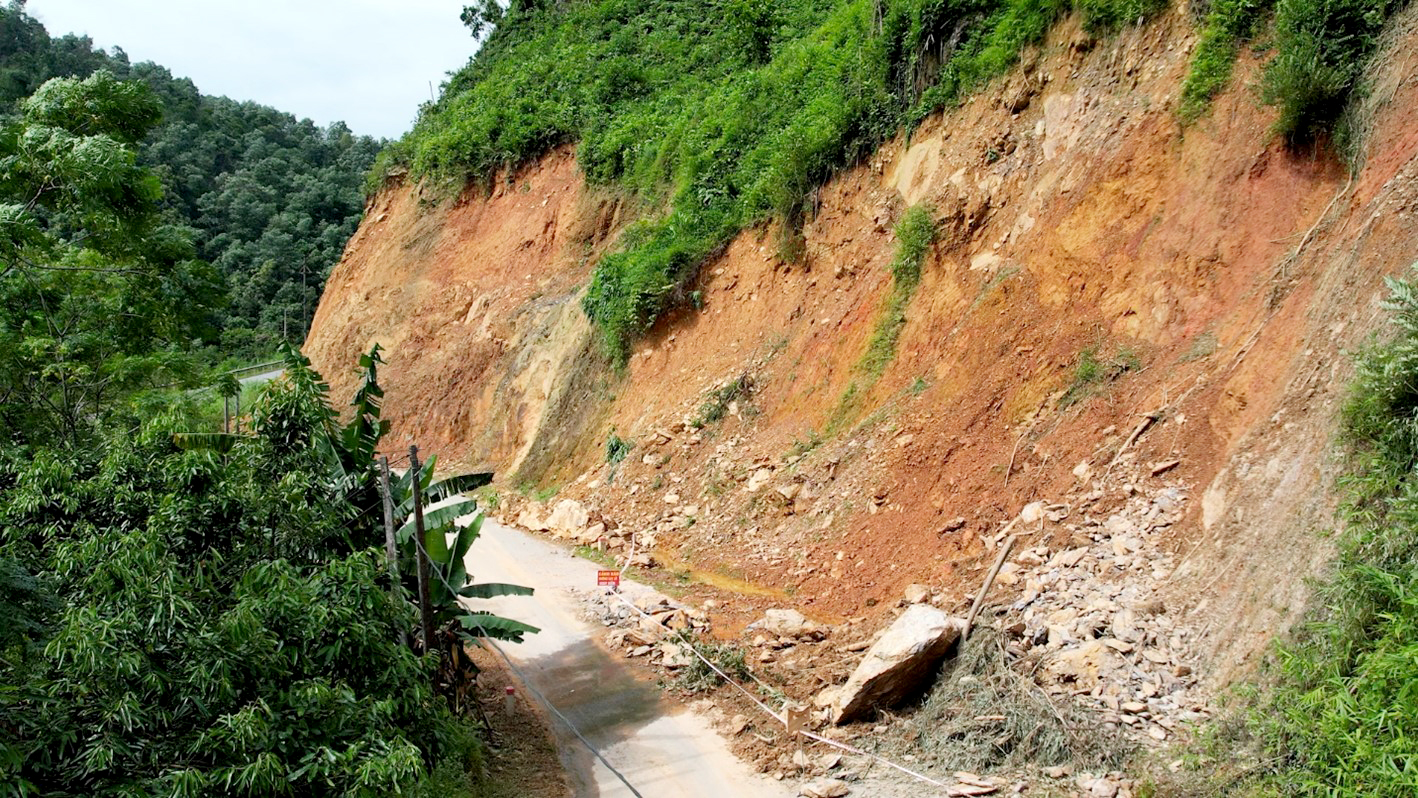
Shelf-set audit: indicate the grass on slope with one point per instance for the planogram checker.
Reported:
(1344, 720)
(1320, 49)
(915, 234)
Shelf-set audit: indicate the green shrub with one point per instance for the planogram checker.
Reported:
(1227, 24)
(717, 405)
(699, 677)
(1093, 372)
(617, 448)
(1321, 47)
(184, 658)
(1343, 720)
(1109, 15)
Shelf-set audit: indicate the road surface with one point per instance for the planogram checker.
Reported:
(265, 376)
(664, 751)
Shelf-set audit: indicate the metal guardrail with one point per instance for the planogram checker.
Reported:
(256, 368)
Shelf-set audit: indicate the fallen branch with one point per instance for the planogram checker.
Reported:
(989, 582)
(1148, 419)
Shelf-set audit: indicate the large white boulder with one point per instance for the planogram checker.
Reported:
(531, 518)
(568, 518)
(898, 664)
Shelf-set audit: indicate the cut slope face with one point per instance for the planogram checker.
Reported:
(1108, 293)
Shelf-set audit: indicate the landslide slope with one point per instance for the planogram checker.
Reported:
(1116, 308)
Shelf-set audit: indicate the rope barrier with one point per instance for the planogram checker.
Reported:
(779, 718)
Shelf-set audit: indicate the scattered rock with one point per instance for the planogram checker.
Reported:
(916, 594)
(759, 478)
(1032, 513)
(789, 624)
(824, 788)
(1159, 469)
(1084, 664)
(568, 519)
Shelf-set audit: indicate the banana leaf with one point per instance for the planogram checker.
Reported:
(452, 486)
(219, 442)
(487, 590)
(495, 626)
(433, 520)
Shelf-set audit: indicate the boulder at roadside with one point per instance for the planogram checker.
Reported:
(897, 665)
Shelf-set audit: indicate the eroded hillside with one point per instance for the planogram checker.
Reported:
(1117, 310)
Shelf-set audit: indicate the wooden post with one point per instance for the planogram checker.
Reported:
(391, 549)
(795, 718)
(226, 414)
(989, 581)
(425, 599)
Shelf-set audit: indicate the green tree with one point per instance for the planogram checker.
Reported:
(97, 296)
(268, 200)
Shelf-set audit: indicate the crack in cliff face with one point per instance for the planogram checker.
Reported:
(1078, 219)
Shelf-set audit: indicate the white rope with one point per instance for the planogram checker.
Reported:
(527, 682)
(882, 760)
(695, 651)
(779, 718)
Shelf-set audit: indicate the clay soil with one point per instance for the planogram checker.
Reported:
(1216, 276)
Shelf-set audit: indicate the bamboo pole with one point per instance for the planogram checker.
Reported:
(391, 548)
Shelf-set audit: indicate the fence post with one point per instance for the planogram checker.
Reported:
(391, 549)
(425, 599)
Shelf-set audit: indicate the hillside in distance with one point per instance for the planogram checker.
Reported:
(270, 199)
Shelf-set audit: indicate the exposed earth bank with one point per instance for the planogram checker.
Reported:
(1134, 327)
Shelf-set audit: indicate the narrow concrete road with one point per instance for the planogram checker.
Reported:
(664, 751)
(265, 376)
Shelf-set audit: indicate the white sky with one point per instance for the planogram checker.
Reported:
(367, 62)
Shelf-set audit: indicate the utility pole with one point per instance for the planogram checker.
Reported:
(425, 599)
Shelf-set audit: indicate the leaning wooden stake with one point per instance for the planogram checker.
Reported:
(989, 581)
(391, 549)
(425, 599)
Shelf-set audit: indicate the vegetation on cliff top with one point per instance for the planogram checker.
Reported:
(724, 114)
(1320, 49)
(727, 114)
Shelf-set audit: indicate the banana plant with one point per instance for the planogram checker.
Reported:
(350, 453)
(447, 542)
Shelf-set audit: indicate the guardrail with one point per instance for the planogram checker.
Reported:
(256, 368)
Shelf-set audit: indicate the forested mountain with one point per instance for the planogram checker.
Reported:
(271, 199)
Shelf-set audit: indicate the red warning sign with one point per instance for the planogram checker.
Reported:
(608, 578)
